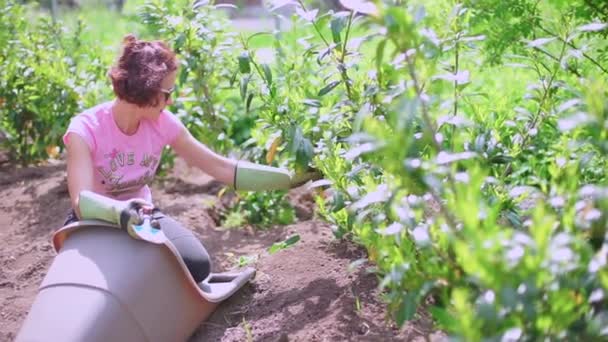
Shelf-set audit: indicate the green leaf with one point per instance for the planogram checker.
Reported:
(180, 41)
(292, 239)
(500, 159)
(322, 20)
(312, 103)
(267, 73)
(244, 62)
(295, 137)
(380, 56)
(443, 317)
(183, 75)
(248, 103)
(244, 84)
(275, 247)
(256, 35)
(328, 88)
(300, 147)
(278, 246)
(337, 24)
(407, 309)
(304, 153)
(322, 55)
(593, 27)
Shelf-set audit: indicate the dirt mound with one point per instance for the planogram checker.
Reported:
(303, 293)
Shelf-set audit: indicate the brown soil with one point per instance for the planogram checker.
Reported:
(303, 293)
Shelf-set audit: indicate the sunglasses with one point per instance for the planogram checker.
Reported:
(167, 92)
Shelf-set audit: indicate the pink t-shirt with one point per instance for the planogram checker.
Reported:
(123, 164)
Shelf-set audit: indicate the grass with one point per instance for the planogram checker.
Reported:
(107, 27)
(104, 26)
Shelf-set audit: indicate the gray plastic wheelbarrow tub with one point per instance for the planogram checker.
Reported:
(104, 285)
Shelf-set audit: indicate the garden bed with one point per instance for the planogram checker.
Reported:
(303, 293)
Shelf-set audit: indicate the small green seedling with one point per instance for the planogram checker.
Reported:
(284, 244)
(247, 328)
(246, 260)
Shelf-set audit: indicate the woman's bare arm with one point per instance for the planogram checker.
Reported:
(197, 154)
(80, 168)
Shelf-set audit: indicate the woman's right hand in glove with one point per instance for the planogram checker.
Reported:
(131, 212)
(128, 214)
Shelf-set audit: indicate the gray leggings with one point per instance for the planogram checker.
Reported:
(191, 250)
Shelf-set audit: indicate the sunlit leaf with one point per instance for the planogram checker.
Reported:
(447, 158)
(419, 13)
(52, 151)
(381, 194)
(200, 3)
(574, 121)
(431, 36)
(593, 27)
(273, 150)
(473, 38)
(361, 149)
(312, 103)
(513, 334)
(567, 105)
(220, 6)
(380, 56)
(307, 15)
(275, 248)
(461, 77)
(393, 229)
(457, 121)
(257, 34)
(320, 183)
(540, 42)
(360, 6)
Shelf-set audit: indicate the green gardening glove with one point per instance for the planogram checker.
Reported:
(129, 215)
(256, 177)
(299, 179)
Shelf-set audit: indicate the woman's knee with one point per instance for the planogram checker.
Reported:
(191, 250)
(195, 256)
(201, 269)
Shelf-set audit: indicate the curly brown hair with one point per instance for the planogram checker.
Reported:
(140, 69)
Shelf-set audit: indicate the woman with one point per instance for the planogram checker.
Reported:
(114, 150)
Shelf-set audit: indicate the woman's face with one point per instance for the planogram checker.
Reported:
(165, 96)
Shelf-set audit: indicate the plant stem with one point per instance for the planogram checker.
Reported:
(456, 67)
(571, 69)
(428, 124)
(342, 67)
(338, 59)
(430, 129)
(538, 116)
(456, 90)
(571, 44)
